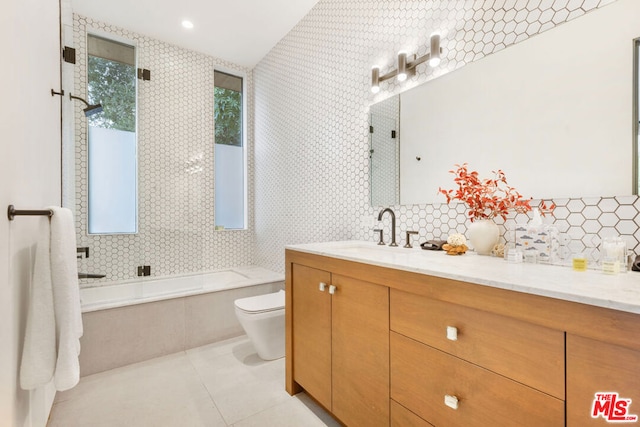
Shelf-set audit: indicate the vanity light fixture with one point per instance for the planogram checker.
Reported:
(407, 65)
(435, 50)
(375, 79)
(402, 66)
(187, 24)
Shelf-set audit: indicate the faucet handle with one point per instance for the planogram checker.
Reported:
(83, 250)
(408, 238)
(380, 240)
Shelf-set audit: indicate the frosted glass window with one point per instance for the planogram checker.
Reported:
(112, 146)
(230, 188)
(112, 181)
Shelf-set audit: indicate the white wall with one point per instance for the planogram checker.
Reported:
(312, 96)
(30, 177)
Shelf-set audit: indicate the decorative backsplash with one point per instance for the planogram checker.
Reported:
(175, 167)
(312, 101)
(583, 223)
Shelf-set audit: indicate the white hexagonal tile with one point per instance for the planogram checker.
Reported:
(575, 219)
(608, 204)
(326, 207)
(591, 212)
(575, 205)
(626, 227)
(626, 212)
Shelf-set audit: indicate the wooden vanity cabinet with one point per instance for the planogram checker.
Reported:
(402, 417)
(612, 372)
(457, 366)
(527, 353)
(448, 391)
(403, 349)
(312, 332)
(340, 344)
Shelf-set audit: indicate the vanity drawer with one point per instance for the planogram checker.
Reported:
(421, 377)
(402, 417)
(527, 353)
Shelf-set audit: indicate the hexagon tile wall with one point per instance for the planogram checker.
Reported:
(310, 179)
(175, 129)
(311, 118)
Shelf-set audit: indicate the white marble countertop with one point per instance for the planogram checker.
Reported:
(619, 292)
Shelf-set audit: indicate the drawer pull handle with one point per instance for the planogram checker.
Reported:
(452, 333)
(451, 401)
(322, 286)
(332, 289)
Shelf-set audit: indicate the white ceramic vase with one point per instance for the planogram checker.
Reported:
(483, 235)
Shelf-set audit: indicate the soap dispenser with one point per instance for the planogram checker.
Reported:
(534, 232)
(537, 219)
(537, 241)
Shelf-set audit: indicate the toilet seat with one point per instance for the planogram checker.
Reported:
(261, 303)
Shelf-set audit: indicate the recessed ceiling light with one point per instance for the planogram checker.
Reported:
(187, 24)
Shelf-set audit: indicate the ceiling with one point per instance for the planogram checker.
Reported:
(238, 31)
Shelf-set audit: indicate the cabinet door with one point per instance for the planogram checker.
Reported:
(360, 352)
(312, 332)
(603, 378)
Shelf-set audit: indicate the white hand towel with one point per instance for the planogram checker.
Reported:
(39, 352)
(66, 298)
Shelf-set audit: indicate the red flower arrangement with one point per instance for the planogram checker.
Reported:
(486, 198)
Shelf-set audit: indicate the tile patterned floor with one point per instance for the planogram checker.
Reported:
(222, 384)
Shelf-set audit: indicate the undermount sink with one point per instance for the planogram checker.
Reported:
(367, 251)
(370, 249)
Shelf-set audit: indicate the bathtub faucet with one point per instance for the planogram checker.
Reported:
(393, 224)
(83, 250)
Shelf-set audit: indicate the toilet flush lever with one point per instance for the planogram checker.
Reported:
(322, 286)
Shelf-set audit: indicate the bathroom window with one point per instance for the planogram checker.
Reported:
(230, 153)
(112, 148)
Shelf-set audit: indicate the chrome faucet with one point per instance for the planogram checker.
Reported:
(393, 224)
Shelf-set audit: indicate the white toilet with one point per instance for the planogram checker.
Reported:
(262, 318)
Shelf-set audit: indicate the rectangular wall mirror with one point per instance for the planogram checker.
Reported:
(554, 112)
(384, 152)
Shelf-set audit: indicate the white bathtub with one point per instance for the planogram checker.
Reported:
(156, 289)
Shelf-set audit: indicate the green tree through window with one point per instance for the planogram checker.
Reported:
(113, 84)
(228, 116)
(229, 152)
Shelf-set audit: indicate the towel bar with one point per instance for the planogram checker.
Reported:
(12, 212)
